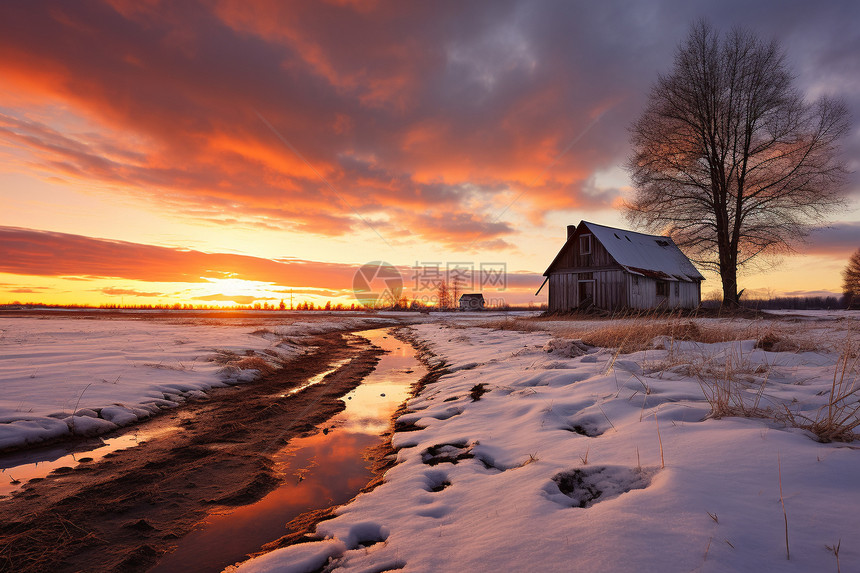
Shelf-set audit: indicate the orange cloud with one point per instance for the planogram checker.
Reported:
(173, 92)
(29, 252)
(46, 253)
(445, 111)
(129, 292)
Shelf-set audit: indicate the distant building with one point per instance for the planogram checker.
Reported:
(612, 269)
(472, 302)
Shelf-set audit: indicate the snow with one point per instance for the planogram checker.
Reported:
(579, 458)
(636, 251)
(112, 373)
(299, 558)
(837, 314)
(574, 457)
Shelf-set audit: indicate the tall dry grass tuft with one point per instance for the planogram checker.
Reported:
(728, 387)
(782, 502)
(834, 549)
(634, 332)
(733, 389)
(515, 324)
(836, 420)
(255, 363)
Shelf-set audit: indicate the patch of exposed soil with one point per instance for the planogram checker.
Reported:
(124, 512)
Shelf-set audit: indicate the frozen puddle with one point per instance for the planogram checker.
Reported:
(320, 471)
(18, 468)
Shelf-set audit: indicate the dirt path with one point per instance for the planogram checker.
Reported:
(124, 512)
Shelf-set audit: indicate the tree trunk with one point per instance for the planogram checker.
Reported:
(730, 291)
(729, 277)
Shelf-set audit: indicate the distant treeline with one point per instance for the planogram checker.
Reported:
(415, 306)
(788, 303)
(181, 306)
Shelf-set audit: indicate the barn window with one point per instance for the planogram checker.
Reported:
(635, 280)
(585, 245)
(677, 289)
(662, 288)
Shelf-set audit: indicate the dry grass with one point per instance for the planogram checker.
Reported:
(254, 363)
(736, 389)
(730, 397)
(834, 549)
(782, 502)
(732, 384)
(837, 420)
(634, 332)
(515, 324)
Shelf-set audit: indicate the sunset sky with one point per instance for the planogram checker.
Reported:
(229, 152)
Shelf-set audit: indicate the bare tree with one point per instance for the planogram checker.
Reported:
(455, 291)
(443, 293)
(728, 156)
(851, 281)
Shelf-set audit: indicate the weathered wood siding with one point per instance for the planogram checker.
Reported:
(642, 293)
(689, 295)
(571, 258)
(609, 289)
(562, 292)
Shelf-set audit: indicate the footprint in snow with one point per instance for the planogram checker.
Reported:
(586, 486)
(435, 512)
(446, 453)
(436, 481)
(586, 426)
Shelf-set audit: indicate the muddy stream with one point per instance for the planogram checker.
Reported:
(323, 470)
(200, 489)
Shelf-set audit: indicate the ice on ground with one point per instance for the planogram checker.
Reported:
(601, 462)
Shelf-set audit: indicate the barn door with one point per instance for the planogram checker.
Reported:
(586, 291)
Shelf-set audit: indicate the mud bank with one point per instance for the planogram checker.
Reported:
(123, 512)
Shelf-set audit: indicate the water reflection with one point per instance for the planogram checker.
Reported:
(320, 471)
(316, 379)
(18, 468)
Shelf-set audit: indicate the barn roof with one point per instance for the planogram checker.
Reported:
(647, 255)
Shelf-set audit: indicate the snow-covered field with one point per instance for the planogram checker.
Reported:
(586, 459)
(111, 373)
(573, 457)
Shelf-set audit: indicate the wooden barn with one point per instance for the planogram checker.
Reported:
(472, 302)
(613, 269)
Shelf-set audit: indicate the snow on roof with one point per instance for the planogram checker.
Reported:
(645, 254)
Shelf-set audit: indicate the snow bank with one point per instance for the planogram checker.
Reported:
(111, 373)
(597, 462)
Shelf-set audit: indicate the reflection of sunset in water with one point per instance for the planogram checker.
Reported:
(38, 463)
(319, 470)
